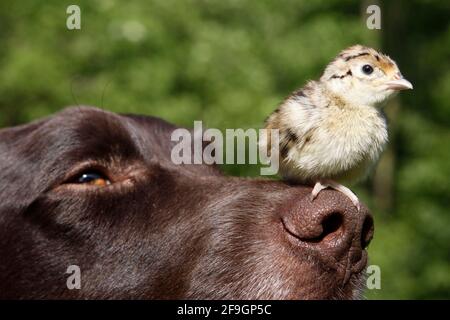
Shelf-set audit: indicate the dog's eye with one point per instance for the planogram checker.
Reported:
(93, 178)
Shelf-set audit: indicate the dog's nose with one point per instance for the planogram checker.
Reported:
(332, 230)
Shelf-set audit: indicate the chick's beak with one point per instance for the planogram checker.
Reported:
(399, 84)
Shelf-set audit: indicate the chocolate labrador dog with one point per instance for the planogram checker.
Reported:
(98, 190)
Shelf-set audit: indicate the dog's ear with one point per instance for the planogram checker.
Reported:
(12, 143)
(11, 134)
(17, 163)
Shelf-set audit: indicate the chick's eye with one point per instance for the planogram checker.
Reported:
(93, 178)
(367, 69)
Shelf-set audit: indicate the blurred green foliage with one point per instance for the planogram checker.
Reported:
(229, 63)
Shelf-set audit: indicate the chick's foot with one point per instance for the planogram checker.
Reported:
(323, 184)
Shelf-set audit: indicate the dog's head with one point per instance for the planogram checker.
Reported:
(98, 190)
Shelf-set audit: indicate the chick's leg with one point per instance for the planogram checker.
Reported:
(323, 184)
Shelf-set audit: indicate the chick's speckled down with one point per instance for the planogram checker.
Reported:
(332, 130)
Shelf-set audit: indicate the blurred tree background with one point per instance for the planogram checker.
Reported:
(229, 63)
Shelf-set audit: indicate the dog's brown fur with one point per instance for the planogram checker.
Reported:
(161, 230)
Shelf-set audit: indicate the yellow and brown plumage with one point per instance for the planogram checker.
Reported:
(331, 130)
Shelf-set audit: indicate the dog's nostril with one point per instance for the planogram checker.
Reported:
(367, 232)
(332, 225)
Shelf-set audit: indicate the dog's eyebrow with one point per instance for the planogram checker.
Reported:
(91, 134)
